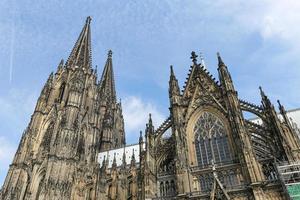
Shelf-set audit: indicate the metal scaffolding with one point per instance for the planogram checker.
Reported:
(290, 176)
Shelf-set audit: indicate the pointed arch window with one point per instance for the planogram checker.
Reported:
(211, 140)
(61, 92)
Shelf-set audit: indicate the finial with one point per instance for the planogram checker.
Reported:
(150, 119)
(262, 93)
(171, 69)
(261, 90)
(281, 107)
(88, 20)
(110, 53)
(220, 59)
(141, 137)
(279, 103)
(194, 57)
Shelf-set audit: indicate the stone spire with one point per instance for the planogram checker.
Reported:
(132, 164)
(60, 65)
(281, 108)
(220, 61)
(264, 99)
(149, 126)
(45, 93)
(107, 82)
(224, 75)
(114, 164)
(81, 53)
(124, 158)
(173, 84)
(49, 82)
(141, 137)
(285, 117)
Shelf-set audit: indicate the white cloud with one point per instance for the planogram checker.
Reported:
(271, 18)
(136, 113)
(16, 108)
(281, 19)
(7, 150)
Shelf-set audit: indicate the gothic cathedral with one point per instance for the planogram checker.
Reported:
(74, 146)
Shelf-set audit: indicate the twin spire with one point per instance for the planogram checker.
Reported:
(81, 56)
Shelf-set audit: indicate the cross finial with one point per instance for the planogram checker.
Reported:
(194, 57)
(110, 53)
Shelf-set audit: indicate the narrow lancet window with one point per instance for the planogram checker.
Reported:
(61, 92)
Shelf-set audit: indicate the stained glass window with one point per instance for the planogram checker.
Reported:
(211, 140)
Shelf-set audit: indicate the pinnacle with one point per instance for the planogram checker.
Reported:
(107, 83)
(61, 62)
(171, 69)
(281, 107)
(110, 54)
(279, 103)
(172, 74)
(141, 137)
(194, 57)
(261, 91)
(220, 59)
(133, 158)
(150, 119)
(88, 20)
(114, 164)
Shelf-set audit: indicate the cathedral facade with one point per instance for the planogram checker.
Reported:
(74, 146)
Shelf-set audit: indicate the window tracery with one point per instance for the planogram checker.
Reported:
(211, 140)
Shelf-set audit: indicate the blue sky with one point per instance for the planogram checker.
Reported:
(258, 40)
